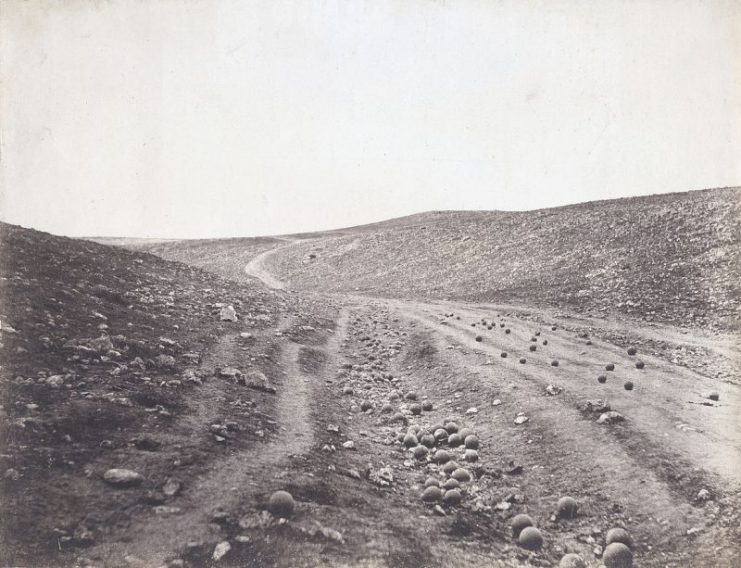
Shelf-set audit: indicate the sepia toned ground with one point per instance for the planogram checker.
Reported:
(346, 376)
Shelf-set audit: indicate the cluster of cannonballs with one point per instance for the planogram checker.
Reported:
(628, 385)
(618, 552)
(436, 444)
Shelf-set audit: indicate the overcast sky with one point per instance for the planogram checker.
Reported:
(215, 118)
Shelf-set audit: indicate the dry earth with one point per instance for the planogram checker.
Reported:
(119, 359)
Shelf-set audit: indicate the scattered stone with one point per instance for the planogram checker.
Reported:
(221, 549)
(521, 419)
(610, 417)
(119, 477)
(257, 380)
(596, 405)
(553, 390)
(349, 445)
(171, 487)
(712, 396)
(228, 313)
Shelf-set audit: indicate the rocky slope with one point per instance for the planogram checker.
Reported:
(115, 360)
(672, 258)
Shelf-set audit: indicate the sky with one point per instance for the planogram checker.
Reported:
(216, 118)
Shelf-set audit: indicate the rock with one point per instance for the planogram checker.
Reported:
(712, 396)
(256, 380)
(349, 445)
(619, 535)
(521, 419)
(281, 504)
(229, 372)
(171, 487)
(610, 417)
(12, 474)
(704, 495)
(530, 538)
(553, 390)
(566, 508)
(596, 405)
(228, 313)
(245, 335)
(221, 550)
(164, 362)
(572, 560)
(519, 522)
(617, 555)
(471, 456)
(451, 427)
(119, 477)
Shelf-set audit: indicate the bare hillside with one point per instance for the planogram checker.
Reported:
(670, 258)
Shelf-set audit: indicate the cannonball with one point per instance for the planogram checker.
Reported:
(523, 360)
(461, 474)
(281, 504)
(410, 440)
(416, 409)
(452, 497)
(602, 379)
(366, 405)
(519, 522)
(455, 440)
(479, 338)
(427, 406)
(450, 467)
(451, 484)
(508, 330)
(442, 456)
(465, 432)
(572, 560)
(617, 555)
(566, 508)
(503, 355)
(610, 367)
(554, 363)
(640, 364)
(530, 538)
(632, 350)
(427, 440)
(545, 342)
(441, 434)
(451, 427)
(420, 452)
(431, 481)
(411, 395)
(471, 442)
(619, 535)
(628, 386)
(431, 494)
